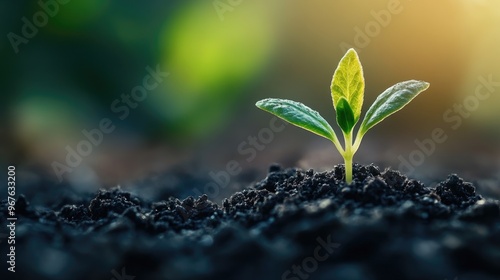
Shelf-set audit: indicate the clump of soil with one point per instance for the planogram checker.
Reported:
(294, 224)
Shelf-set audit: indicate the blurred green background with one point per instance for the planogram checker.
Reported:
(223, 56)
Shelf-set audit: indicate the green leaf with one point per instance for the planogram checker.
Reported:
(348, 82)
(391, 101)
(345, 116)
(298, 114)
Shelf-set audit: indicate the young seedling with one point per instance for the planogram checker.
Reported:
(348, 86)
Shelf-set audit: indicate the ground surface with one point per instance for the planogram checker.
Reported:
(293, 224)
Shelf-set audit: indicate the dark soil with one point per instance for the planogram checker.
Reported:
(293, 225)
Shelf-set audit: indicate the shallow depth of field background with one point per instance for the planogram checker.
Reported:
(66, 77)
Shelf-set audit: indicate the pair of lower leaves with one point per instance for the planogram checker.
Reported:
(347, 91)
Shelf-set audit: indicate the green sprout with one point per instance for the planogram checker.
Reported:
(348, 86)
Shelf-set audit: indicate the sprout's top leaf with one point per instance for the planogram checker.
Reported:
(391, 101)
(348, 82)
(298, 114)
(345, 116)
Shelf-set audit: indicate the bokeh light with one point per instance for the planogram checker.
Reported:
(211, 62)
